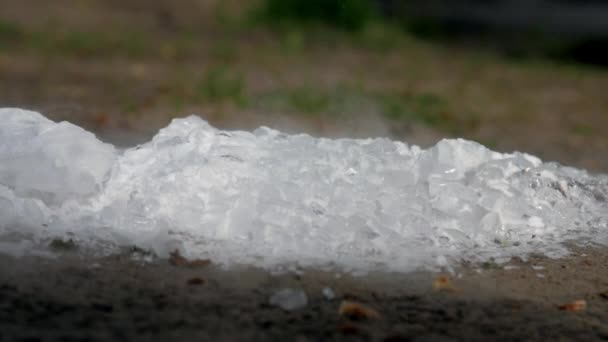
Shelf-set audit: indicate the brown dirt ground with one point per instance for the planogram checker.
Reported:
(118, 298)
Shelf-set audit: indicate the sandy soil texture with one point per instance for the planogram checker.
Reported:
(122, 298)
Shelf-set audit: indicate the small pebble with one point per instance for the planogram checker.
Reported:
(328, 293)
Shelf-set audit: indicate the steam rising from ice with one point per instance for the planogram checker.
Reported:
(266, 198)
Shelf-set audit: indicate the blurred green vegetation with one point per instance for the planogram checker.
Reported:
(355, 16)
(9, 30)
(220, 85)
(583, 130)
(73, 42)
(349, 15)
(430, 109)
(352, 16)
(83, 43)
(9, 33)
(308, 100)
(314, 59)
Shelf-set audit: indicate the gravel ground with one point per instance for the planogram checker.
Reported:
(122, 298)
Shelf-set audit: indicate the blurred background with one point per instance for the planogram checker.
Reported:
(528, 75)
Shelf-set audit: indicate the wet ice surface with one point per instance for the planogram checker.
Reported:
(270, 199)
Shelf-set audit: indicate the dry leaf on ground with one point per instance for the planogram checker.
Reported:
(577, 305)
(443, 283)
(101, 119)
(355, 310)
(176, 259)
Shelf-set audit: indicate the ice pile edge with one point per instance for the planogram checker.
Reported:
(270, 199)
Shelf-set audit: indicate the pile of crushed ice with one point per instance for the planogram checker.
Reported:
(270, 199)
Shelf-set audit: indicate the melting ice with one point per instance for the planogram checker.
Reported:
(270, 199)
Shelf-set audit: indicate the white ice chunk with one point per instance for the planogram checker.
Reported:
(272, 200)
(328, 293)
(289, 299)
(536, 222)
(49, 161)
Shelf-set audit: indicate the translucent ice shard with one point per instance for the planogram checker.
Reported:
(289, 299)
(266, 198)
(48, 161)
